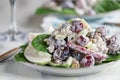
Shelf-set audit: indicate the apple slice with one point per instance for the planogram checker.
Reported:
(35, 56)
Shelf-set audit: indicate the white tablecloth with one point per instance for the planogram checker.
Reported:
(11, 70)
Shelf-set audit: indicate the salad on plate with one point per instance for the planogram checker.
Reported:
(74, 44)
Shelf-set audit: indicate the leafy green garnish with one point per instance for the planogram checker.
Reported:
(39, 44)
(20, 57)
(112, 58)
(44, 11)
(68, 11)
(106, 5)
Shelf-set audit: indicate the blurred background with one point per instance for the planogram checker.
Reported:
(30, 14)
(25, 12)
(39, 15)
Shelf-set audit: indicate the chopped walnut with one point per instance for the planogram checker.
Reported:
(75, 64)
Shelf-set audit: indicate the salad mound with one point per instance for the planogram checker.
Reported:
(74, 44)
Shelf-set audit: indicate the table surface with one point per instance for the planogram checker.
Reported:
(11, 70)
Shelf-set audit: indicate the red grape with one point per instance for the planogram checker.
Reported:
(77, 26)
(113, 44)
(82, 40)
(88, 61)
(61, 53)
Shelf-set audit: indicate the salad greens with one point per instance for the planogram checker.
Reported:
(39, 44)
(112, 58)
(46, 49)
(106, 5)
(99, 7)
(21, 58)
(43, 10)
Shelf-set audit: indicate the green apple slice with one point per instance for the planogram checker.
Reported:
(35, 56)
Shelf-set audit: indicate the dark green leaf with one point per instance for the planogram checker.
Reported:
(112, 58)
(20, 57)
(45, 11)
(39, 44)
(106, 5)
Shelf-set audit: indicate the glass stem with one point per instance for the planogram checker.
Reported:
(13, 27)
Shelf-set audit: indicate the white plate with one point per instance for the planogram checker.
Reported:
(65, 71)
(69, 72)
(75, 72)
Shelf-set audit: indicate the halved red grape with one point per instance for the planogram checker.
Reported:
(88, 61)
(61, 53)
(113, 44)
(77, 26)
(82, 40)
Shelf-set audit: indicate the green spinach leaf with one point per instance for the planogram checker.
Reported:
(106, 6)
(39, 44)
(112, 58)
(44, 11)
(20, 57)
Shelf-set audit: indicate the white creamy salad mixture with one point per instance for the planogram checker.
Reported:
(74, 44)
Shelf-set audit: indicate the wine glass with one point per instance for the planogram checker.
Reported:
(12, 34)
